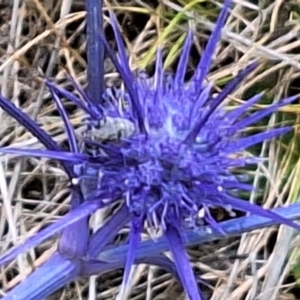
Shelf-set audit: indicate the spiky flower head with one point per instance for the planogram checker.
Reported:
(176, 161)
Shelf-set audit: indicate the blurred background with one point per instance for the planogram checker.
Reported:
(40, 38)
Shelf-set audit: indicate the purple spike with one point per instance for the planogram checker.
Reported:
(158, 77)
(59, 155)
(238, 185)
(29, 124)
(249, 141)
(95, 53)
(108, 230)
(262, 113)
(72, 217)
(202, 99)
(135, 237)
(96, 109)
(183, 61)
(127, 78)
(72, 98)
(69, 128)
(217, 101)
(257, 210)
(159, 71)
(121, 47)
(205, 61)
(184, 269)
(160, 261)
(212, 222)
(233, 115)
(34, 129)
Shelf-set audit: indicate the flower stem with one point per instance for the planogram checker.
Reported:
(231, 228)
(53, 275)
(95, 50)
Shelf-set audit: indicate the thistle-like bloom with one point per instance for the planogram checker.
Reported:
(174, 166)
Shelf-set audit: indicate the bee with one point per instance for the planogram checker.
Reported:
(106, 130)
(112, 129)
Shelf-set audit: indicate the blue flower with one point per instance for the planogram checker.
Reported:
(173, 167)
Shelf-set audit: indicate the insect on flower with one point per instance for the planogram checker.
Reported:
(175, 164)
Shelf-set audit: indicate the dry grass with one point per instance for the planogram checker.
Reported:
(44, 38)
